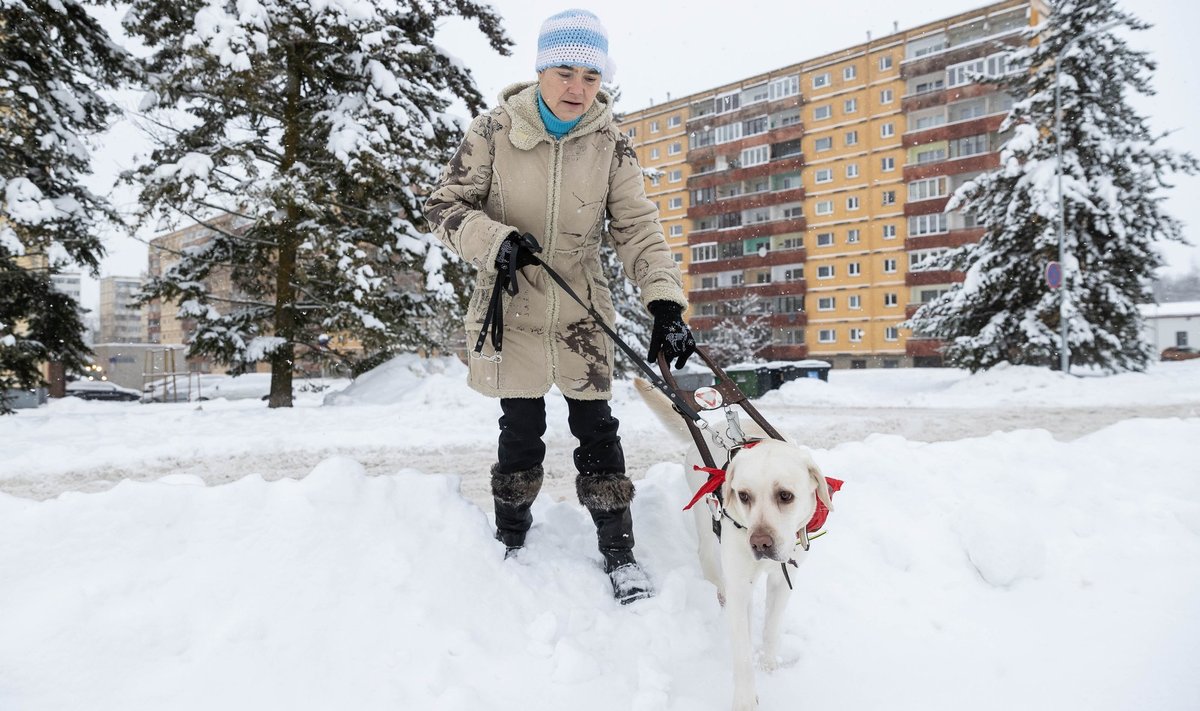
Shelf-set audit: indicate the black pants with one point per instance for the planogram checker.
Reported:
(591, 421)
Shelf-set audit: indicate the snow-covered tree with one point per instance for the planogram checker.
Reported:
(54, 60)
(1114, 168)
(742, 334)
(319, 127)
(634, 324)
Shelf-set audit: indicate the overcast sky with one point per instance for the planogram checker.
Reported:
(684, 47)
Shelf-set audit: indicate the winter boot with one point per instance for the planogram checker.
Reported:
(607, 497)
(513, 495)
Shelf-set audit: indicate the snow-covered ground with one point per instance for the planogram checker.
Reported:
(984, 567)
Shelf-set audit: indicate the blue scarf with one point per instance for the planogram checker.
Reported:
(554, 125)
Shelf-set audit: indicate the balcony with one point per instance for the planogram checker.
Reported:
(925, 278)
(773, 258)
(952, 166)
(792, 320)
(923, 348)
(780, 351)
(954, 238)
(712, 179)
(745, 202)
(941, 97)
(929, 206)
(758, 229)
(747, 112)
(964, 52)
(958, 129)
(727, 293)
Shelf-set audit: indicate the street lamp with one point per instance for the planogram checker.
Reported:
(1065, 296)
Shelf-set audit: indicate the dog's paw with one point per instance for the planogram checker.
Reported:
(768, 662)
(745, 703)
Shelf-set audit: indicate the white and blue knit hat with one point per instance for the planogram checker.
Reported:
(574, 38)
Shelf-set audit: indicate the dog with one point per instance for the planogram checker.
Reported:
(771, 492)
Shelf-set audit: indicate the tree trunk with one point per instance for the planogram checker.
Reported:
(283, 358)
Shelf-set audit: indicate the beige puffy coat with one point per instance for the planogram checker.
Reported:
(511, 174)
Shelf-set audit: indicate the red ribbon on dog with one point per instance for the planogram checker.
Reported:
(716, 477)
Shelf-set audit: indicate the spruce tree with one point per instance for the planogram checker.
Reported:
(314, 130)
(54, 60)
(634, 323)
(1114, 169)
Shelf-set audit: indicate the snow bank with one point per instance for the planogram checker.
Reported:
(1011, 571)
(399, 379)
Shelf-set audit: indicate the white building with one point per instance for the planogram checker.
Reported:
(120, 314)
(68, 283)
(1172, 324)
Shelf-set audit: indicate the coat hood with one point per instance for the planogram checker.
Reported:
(520, 100)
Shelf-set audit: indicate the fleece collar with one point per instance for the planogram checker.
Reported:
(521, 101)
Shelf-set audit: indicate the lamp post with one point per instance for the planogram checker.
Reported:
(1065, 295)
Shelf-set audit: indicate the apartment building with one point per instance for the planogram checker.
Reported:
(120, 314)
(817, 192)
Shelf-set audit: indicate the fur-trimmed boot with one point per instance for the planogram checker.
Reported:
(607, 497)
(513, 495)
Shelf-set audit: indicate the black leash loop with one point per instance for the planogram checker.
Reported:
(493, 320)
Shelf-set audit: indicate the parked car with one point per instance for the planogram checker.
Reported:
(1180, 353)
(101, 390)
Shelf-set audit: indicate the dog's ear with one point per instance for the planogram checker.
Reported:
(727, 486)
(823, 494)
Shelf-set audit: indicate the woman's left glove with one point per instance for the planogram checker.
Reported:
(671, 335)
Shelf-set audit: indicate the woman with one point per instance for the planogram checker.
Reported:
(550, 163)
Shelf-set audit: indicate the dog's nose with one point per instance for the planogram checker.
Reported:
(761, 542)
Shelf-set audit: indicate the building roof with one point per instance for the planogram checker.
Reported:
(1176, 308)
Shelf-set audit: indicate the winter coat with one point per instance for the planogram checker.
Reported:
(509, 175)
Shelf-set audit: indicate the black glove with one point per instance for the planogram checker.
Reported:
(671, 334)
(516, 251)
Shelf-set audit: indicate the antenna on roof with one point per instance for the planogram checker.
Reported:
(868, 35)
(895, 25)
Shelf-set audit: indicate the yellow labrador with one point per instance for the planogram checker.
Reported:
(771, 492)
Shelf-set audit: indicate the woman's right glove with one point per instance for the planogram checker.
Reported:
(671, 335)
(516, 251)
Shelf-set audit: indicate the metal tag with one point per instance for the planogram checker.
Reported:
(708, 398)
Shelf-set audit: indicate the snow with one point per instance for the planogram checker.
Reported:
(1176, 308)
(1012, 570)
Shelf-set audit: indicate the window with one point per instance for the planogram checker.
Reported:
(826, 303)
(849, 72)
(825, 207)
(889, 197)
(824, 239)
(926, 189)
(787, 86)
(887, 164)
(755, 156)
(728, 102)
(853, 236)
(821, 113)
(887, 129)
(937, 117)
(823, 144)
(824, 175)
(855, 302)
(849, 106)
(737, 279)
(931, 155)
(820, 80)
(885, 96)
(889, 266)
(675, 149)
(792, 212)
(852, 202)
(654, 127)
(1181, 338)
(708, 282)
(675, 203)
(891, 333)
(786, 243)
(889, 232)
(653, 153)
(678, 257)
(755, 94)
(783, 149)
(755, 126)
(827, 335)
(632, 132)
(728, 132)
(855, 269)
(794, 274)
(674, 121)
(923, 259)
(785, 181)
(851, 138)
(825, 272)
(675, 176)
(889, 299)
(927, 224)
(704, 253)
(852, 170)
(676, 230)
(969, 146)
(885, 62)
(856, 335)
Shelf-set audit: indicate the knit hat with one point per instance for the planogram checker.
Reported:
(574, 38)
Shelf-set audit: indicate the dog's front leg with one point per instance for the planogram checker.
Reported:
(778, 595)
(739, 582)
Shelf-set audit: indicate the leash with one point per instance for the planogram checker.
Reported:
(494, 320)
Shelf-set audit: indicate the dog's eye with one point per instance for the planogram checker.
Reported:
(786, 497)
(744, 497)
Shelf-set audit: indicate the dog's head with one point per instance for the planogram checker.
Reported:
(772, 489)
